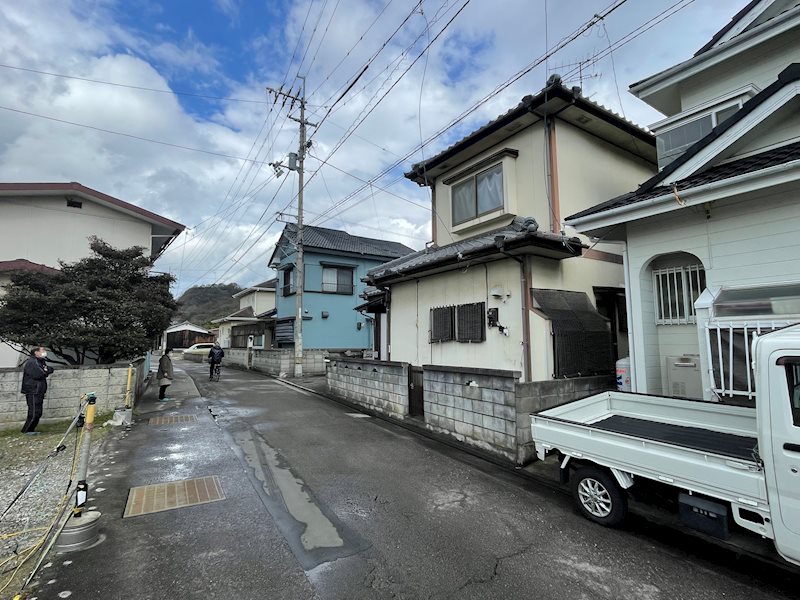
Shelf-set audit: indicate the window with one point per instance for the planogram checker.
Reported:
(676, 290)
(477, 195)
(674, 142)
(288, 282)
(337, 280)
(471, 324)
(465, 323)
(792, 364)
(443, 325)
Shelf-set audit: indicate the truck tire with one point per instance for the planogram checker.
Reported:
(598, 496)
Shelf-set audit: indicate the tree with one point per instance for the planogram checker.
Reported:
(106, 306)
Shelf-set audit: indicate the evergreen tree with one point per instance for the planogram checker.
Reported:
(107, 305)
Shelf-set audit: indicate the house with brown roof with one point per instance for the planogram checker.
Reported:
(44, 223)
(712, 240)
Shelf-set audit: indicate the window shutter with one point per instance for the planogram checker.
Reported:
(471, 322)
(442, 324)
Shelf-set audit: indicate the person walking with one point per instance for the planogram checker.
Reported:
(164, 375)
(34, 386)
(214, 358)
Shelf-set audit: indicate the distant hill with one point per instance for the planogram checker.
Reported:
(205, 302)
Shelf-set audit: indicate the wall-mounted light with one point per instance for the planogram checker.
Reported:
(325, 314)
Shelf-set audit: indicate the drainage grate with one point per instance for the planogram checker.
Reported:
(173, 420)
(158, 497)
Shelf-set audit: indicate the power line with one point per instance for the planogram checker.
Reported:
(133, 87)
(129, 135)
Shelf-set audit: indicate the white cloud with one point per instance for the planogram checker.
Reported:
(483, 47)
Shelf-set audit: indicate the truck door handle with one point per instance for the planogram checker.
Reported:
(791, 447)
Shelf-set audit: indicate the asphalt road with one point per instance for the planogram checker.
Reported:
(322, 502)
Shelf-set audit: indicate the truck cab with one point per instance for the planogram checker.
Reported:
(777, 368)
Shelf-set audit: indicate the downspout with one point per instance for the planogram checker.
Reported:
(552, 174)
(629, 310)
(525, 303)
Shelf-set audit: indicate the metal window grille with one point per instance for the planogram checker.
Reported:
(443, 324)
(471, 323)
(676, 289)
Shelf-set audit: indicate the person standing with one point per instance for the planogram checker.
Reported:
(164, 375)
(34, 386)
(214, 358)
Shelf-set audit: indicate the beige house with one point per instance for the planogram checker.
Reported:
(712, 241)
(502, 286)
(255, 317)
(44, 223)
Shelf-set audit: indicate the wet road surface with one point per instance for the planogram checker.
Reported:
(322, 502)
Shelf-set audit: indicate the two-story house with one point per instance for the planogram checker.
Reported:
(255, 317)
(44, 223)
(502, 286)
(712, 246)
(335, 263)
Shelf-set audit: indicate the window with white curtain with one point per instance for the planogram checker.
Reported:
(477, 195)
(337, 280)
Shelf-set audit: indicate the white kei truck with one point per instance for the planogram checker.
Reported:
(723, 464)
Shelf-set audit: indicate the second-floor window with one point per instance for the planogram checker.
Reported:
(288, 282)
(337, 280)
(674, 142)
(478, 194)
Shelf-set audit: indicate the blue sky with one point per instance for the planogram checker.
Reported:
(236, 48)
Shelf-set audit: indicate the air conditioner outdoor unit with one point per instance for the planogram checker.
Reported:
(683, 376)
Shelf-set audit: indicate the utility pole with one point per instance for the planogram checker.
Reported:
(296, 164)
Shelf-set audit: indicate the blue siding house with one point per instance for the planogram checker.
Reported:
(335, 263)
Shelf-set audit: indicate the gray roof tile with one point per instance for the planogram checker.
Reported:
(335, 239)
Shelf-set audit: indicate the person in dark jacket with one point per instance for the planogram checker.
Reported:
(34, 386)
(164, 375)
(214, 358)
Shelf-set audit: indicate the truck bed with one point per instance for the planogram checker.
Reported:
(725, 444)
(704, 447)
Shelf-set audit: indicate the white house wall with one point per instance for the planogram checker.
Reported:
(44, 229)
(748, 240)
(780, 128)
(410, 317)
(591, 170)
(524, 187)
(759, 67)
(260, 301)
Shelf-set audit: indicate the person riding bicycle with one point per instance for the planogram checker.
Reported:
(214, 358)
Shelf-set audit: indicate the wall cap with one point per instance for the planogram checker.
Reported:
(474, 371)
(370, 361)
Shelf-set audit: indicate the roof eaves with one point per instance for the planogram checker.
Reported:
(788, 75)
(730, 25)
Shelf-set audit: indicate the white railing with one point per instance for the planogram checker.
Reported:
(730, 363)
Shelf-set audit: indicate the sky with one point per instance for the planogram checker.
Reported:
(177, 118)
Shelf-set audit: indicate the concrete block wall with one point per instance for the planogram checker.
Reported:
(375, 384)
(476, 406)
(540, 395)
(65, 387)
(273, 362)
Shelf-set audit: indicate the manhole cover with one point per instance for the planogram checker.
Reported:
(173, 420)
(158, 497)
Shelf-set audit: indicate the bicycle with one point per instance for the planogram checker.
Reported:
(217, 369)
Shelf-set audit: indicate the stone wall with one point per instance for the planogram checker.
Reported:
(273, 362)
(540, 395)
(64, 390)
(476, 406)
(378, 385)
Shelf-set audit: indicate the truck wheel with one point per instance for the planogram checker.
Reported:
(598, 496)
